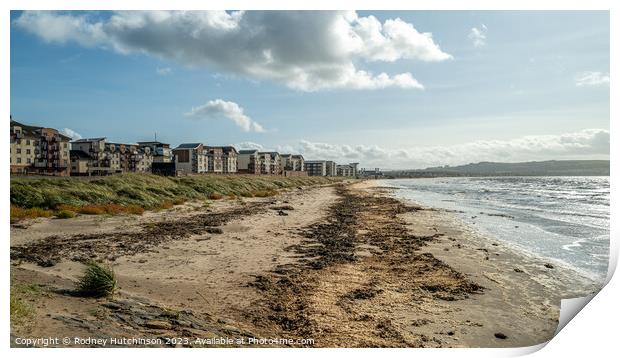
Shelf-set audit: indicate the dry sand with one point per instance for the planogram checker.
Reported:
(344, 266)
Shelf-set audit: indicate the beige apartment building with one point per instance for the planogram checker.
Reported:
(215, 156)
(347, 170)
(161, 152)
(247, 161)
(269, 163)
(191, 158)
(97, 156)
(230, 159)
(38, 150)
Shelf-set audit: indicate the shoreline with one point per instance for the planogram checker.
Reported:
(344, 265)
(481, 220)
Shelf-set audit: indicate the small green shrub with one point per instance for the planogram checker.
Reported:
(98, 281)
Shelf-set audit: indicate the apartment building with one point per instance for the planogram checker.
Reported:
(347, 170)
(191, 158)
(286, 161)
(38, 150)
(330, 168)
(316, 167)
(216, 159)
(298, 163)
(292, 165)
(130, 158)
(230, 159)
(80, 162)
(247, 161)
(23, 139)
(269, 163)
(97, 156)
(89, 157)
(161, 152)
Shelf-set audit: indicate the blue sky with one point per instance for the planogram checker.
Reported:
(504, 86)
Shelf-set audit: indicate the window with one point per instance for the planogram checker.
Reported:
(28, 160)
(19, 160)
(27, 141)
(27, 151)
(19, 151)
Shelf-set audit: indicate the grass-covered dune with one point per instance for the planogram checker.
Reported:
(132, 193)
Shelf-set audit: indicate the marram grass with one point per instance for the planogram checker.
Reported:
(134, 192)
(98, 281)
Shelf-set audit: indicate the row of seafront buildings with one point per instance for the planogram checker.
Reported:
(46, 151)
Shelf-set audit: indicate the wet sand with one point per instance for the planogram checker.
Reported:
(344, 265)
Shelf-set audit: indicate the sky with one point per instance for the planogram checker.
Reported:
(387, 89)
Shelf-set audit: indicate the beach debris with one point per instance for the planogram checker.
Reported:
(518, 270)
(112, 305)
(549, 266)
(363, 293)
(214, 230)
(20, 225)
(155, 324)
(420, 322)
(282, 207)
(47, 262)
(96, 246)
(500, 335)
(282, 213)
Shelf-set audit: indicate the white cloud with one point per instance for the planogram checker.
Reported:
(589, 143)
(478, 35)
(249, 145)
(307, 51)
(592, 79)
(218, 108)
(163, 71)
(71, 133)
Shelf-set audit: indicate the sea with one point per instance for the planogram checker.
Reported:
(561, 219)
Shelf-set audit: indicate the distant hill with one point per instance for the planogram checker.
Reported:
(546, 168)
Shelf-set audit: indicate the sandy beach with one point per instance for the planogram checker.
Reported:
(341, 265)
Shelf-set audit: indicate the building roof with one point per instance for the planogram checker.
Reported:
(315, 161)
(86, 140)
(34, 131)
(298, 156)
(248, 151)
(26, 129)
(153, 143)
(214, 148)
(229, 148)
(188, 145)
